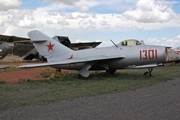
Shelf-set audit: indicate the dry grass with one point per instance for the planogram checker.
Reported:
(69, 87)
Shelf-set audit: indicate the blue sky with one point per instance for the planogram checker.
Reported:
(154, 21)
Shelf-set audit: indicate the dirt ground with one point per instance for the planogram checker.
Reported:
(12, 74)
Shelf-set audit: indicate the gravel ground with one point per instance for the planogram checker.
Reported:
(12, 76)
(158, 102)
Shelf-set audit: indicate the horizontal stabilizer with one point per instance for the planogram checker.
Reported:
(36, 36)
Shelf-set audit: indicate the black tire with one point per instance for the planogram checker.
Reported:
(110, 71)
(146, 74)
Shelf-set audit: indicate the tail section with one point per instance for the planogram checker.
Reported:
(45, 45)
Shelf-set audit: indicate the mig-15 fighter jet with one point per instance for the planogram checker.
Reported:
(118, 56)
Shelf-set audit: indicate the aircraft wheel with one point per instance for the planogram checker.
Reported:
(110, 71)
(80, 76)
(147, 74)
(84, 78)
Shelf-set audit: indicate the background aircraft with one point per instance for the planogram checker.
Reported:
(173, 55)
(119, 56)
(4, 49)
(24, 48)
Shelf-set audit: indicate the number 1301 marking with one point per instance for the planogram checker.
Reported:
(148, 54)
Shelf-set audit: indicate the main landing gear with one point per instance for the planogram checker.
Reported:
(110, 71)
(148, 74)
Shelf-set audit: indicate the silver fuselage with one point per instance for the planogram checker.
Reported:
(131, 56)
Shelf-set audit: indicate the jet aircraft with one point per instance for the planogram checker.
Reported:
(4, 49)
(118, 56)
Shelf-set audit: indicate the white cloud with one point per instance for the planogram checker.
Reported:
(66, 15)
(74, 20)
(9, 4)
(178, 37)
(87, 24)
(149, 11)
(1, 23)
(84, 8)
(174, 42)
(83, 16)
(19, 18)
(169, 42)
(153, 40)
(49, 22)
(104, 24)
(148, 15)
(68, 2)
(87, 3)
(92, 23)
(9, 30)
(139, 27)
(83, 24)
(75, 5)
(29, 22)
(62, 22)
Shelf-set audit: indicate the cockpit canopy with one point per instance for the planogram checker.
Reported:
(131, 42)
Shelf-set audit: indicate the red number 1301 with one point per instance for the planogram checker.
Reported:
(148, 54)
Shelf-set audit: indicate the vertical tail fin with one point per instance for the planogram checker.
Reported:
(45, 45)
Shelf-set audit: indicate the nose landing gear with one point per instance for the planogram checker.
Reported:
(148, 74)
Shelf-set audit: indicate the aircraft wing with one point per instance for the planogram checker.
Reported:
(74, 60)
(85, 45)
(7, 38)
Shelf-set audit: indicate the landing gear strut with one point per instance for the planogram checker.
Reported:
(148, 74)
(110, 71)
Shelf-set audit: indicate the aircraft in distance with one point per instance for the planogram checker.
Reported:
(118, 56)
(4, 49)
(173, 55)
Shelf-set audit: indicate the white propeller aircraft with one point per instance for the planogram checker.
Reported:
(119, 56)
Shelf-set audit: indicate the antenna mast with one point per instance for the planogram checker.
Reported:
(114, 43)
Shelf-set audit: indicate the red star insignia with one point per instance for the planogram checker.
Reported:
(71, 57)
(50, 46)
